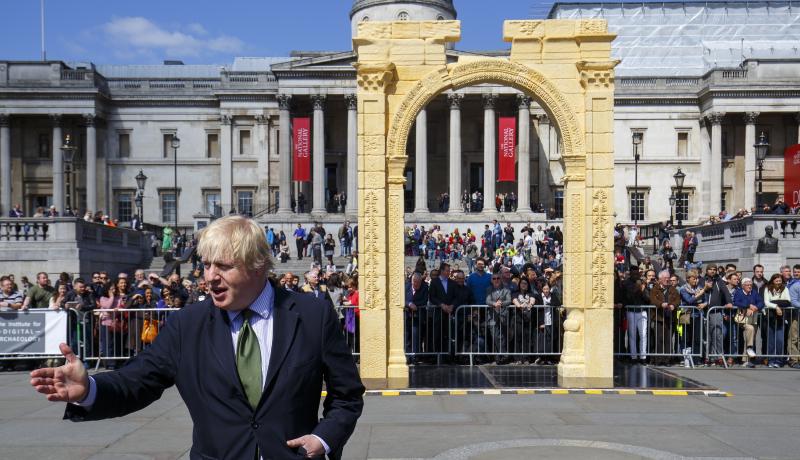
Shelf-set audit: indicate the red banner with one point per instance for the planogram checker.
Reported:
(791, 175)
(302, 149)
(508, 156)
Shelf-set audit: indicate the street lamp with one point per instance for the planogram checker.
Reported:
(141, 179)
(762, 147)
(637, 144)
(672, 200)
(679, 177)
(69, 156)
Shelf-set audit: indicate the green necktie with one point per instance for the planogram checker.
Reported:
(248, 360)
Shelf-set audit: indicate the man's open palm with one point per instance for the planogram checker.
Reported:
(68, 383)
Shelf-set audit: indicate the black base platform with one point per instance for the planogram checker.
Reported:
(529, 376)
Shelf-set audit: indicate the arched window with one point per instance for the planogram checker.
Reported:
(402, 16)
(365, 19)
(440, 18)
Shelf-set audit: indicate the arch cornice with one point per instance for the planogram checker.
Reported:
(501, 71)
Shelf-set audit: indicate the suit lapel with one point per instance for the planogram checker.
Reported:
(222, 345)
(283, 331)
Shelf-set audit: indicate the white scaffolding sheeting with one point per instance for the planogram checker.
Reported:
(689, 39)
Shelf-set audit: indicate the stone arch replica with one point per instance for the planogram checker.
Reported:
(564, 65)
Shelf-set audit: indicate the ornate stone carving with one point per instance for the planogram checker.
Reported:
(318, 101)
(371, 240)
(89, 119)
(262, 119)
(593, 27)
(523, 29)
(284, 101)
(489, 101)
(523, 101)
(716, 118)
(56, 119)
(352, 101)
(455, 99)
(225, 119)
(5, 120)
(374, 78)
(482, 71)
(750, 118)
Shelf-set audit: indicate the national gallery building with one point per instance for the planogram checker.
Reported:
(698, 84)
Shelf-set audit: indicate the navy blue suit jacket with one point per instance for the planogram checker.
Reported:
(194, 351)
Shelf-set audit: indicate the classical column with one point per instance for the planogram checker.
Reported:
(524, 156)
(489, 146)
(421, 165)
(58, 165)
(455, 153)
(750, 159)
(797, 119)
(226, 164)
(285, 147)
(544, 161)
(352, 154)
(91, 162)
(715, 200)
(5, 165)
(318, 166)
(262, 150)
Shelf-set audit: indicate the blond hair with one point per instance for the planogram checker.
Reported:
(237, 240)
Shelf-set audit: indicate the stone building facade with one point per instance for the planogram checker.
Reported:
(693, 81)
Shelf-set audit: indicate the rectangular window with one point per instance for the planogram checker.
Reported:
(213, 203)
(168, 150)
(637, 205)
(244, 142)
(244, 203)
(682, 206)
(44, 146)
(124, 206)
(212, 145)
(558, 204)
(168, 207)
(683, 144)
(124, 145)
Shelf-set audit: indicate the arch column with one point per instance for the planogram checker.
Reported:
(352, 153)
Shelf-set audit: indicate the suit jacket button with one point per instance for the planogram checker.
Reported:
(255, 425)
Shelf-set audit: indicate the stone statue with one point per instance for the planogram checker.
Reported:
(767, 244)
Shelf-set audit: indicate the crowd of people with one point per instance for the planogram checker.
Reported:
(659, 316)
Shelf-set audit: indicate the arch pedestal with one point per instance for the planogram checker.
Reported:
(565, 66)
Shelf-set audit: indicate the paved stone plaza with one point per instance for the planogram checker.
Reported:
(760, 420)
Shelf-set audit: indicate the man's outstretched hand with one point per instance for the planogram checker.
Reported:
(68, 383)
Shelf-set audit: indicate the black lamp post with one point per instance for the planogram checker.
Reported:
(175, 143)
(637, 144)
(141, 179)
(679, 178)
(762, 147)
(672, 200)
(69, 156)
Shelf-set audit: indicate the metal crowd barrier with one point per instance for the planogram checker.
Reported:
(533, 333)
(350, 321)
(645, 331)
(480, 330)
(767, 333)
(109, 337)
